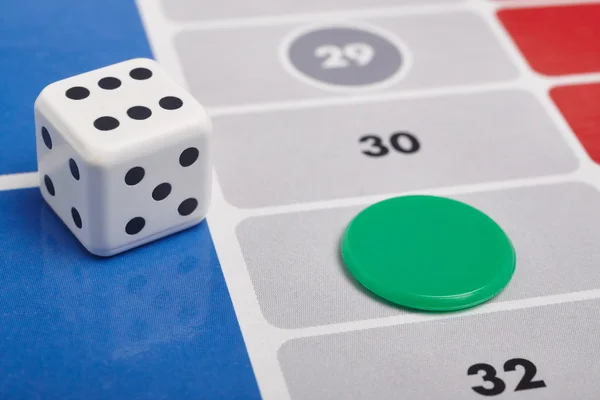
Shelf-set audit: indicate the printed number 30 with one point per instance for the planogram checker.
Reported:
(402, 142)
(497, 385)
(340, 57)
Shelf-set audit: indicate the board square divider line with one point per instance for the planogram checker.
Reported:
(19, 181)
(319, 17)
(486, 308)
(437, 191)
(521, 83)
(356, 13)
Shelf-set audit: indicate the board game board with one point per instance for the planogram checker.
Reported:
(320, 109)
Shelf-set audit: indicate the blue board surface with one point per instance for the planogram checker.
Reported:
(153, 323)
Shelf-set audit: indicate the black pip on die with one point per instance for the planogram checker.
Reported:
(123, 155)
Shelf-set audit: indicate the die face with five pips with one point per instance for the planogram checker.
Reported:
(123, 155)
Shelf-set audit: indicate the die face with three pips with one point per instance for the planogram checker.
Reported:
(123, 155)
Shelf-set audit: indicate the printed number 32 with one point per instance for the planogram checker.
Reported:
(497, 385)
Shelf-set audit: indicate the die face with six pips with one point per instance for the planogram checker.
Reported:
(123, 155)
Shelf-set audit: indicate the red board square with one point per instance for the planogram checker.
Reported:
(557, 40)
(580, 105)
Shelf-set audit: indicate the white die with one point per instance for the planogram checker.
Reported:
(123, 155)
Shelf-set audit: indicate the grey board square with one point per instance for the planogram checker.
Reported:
(315, 154)
(293, 259)
(242, 66)
(190, 10)
(429, 361)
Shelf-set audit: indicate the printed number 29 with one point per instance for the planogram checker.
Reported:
(496, 386)
(360, 54)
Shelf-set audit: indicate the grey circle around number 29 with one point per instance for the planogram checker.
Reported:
(343, 56)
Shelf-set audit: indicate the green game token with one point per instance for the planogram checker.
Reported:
(428, 253)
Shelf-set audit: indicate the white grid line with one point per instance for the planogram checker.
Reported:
(18, 181)
(353, 13)
(320, 17)
(411, 318)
